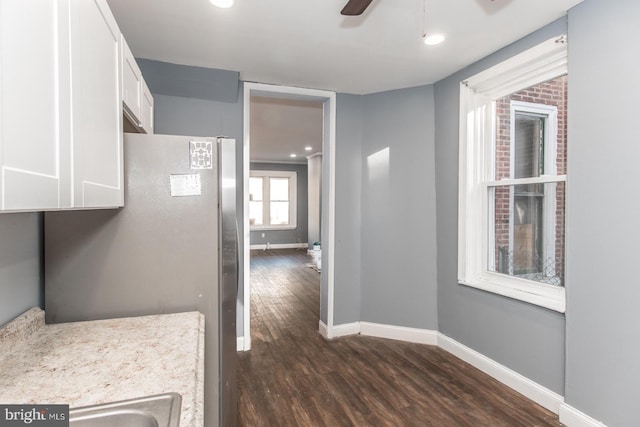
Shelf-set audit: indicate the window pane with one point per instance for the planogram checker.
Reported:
(279, 190)
(529, 145)
(279, 213)
(255, 213)
(527, 236)
(523, 154)
(255, 188)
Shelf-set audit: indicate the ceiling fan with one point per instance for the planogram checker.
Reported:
(355, 7)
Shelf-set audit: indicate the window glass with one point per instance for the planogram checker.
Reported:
(255, 201)
(526, 236)
(528, 232)
(272, 199)
(255, 213)
(279, 213)
(279, 189)
(255, 188)
(529, 145)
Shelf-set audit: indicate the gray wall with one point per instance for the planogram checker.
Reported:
(176, 115)
(523, 337)
(188, 81)
(299, 234)
(603, 319)
(314, 195)
(398, 232)
(348, 212)
(385, 253)
(20, 264)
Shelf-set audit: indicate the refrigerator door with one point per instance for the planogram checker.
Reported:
(228, 282)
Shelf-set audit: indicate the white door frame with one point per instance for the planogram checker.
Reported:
(329, 150)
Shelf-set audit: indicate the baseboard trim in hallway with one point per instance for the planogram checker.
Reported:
(324, 330)
(401, 333)
(571, 417)
(523, 385)
(264, 247)
(338, 331)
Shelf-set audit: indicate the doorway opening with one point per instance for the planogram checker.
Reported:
(272, 206)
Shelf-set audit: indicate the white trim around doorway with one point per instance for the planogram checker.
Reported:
(329, 150)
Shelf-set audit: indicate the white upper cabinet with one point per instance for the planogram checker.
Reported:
(131, 85)
(96, 105)
(147, 109)
(136, 97)
(30, 135)
(60, 105)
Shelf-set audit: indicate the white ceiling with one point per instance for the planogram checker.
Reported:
(281, 127)
(307, 43)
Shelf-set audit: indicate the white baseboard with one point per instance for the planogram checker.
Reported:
(571, 417)
(345, 329)
(523, 385)
(240, 344)
(280, 246)
(324, 331)
(338, 330)
(401, 333)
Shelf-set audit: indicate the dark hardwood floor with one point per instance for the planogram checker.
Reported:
(294, 377)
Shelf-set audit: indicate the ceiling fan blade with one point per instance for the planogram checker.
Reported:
(355, 7)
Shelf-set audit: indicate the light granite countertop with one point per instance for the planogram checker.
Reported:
(92, 362)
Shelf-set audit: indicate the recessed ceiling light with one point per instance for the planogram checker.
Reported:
(308, 148)
(222, 3)
(433, 39)
(293, 155)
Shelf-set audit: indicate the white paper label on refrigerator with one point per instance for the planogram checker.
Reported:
(185, 185)
(201, 153)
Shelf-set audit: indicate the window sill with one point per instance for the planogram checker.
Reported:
(547, 296)
(272, 228)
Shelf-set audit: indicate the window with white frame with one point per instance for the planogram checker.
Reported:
(272, 200)
(513, 154)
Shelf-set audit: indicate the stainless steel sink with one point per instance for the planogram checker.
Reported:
(162, 410)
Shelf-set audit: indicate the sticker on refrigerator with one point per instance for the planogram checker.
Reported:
(185, 185)
(201, 153)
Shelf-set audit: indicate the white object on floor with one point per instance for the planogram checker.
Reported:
(316, 254)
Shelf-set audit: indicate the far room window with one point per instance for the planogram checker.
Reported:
(513, 159)
(272, 200)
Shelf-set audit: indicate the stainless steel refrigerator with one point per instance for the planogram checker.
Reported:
(172, 248)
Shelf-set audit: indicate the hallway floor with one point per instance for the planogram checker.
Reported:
(294, 377)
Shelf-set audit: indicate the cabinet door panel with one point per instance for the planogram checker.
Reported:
(95, 195)
(29, 191)
(147, 108)
(131, 85)
(29, 104)
(96, 104)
